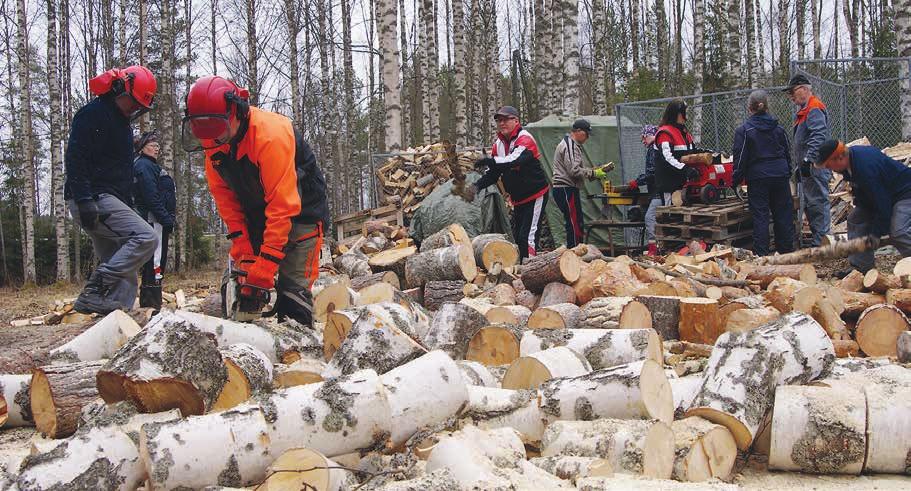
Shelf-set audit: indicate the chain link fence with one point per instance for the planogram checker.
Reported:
(863, 97)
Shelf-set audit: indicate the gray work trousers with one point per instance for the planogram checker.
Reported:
(651, 219)
(860, 224)
(816, 204)
(123, 242)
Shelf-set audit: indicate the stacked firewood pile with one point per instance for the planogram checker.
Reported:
(408, 177)
(449, 365)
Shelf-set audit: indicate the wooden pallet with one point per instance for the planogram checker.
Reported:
(726, 212)
(350, 226)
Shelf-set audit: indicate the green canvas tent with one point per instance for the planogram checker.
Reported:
(603, 146)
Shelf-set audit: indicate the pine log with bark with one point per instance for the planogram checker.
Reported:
(452, 328)
(528, 372)
(665, 313)
(793, 350)
(559, 316)
(640, 447)
(878, 282)
(558, 266)
(555, 293)
(392, 260)
(436, 293)
(603, 348)
(878, 329)
(493, 249)
(900, 298)
(508, 314)
(58, 393)
(302, 372)
(583, 286)
(854, 282)
(741, 320)
(637, 390)
(700, 321)
(825, 312)
(448, 263)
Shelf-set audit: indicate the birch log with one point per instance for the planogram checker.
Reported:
(392, 260)
(573, 469)
(449, 263)
(249, 373)
(508, 314)
(903, 347)
(452, 328)
(559, 316)
(382, 277)
(888, 421)
(528, 372)
(301, 372)
(475, 373)
(818, 430)
(303, 468)
(281, 344)
(436, 293)
(98, 342)
(381, 339)
(558, 266)
(745, 368)
(58, 393)
(615, 312)
(684, 390)
(637, 390)
(470, 456)
(702, 450)
(491, 408)
(492, 249)
(644, 447)
(496, 344)
(18, 406)
(603, 348)
(352, 263)
(453, 234)
(555, 293)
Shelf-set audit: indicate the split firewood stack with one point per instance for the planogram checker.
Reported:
(449, 365)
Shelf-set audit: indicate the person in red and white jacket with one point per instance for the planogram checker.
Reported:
(515, 159)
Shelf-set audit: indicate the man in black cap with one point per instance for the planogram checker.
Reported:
(569, 178)
(811, 129)
(515, 159)
(882, 196)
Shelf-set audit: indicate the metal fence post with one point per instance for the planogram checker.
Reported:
(619, 115)
(715, 120)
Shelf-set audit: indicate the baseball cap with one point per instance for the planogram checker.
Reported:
(582, 124)
(796, 81)
(506, 112)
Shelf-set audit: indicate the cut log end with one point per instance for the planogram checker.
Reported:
(302, 468)
(493, 345)
(333, 297)
(878, 329)
(236, 390)
(739, 431)
(165, 394)
(42, 403)
(635, 315)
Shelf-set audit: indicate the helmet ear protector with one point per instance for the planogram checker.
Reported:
(201, 131)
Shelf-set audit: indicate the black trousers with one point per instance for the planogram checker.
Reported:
(771, 196)
(567, 199)
(153, 270)
(526, 225)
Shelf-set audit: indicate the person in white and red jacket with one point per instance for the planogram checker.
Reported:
(515, 160)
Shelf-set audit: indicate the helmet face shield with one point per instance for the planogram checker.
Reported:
(200, 132)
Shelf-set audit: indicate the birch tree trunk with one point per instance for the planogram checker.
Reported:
(815, 11)
(122, 34)
(698, 62)
(166, 86)
(599, 57)
(25, 139)
(571, 57)
(661, 42)
(387, 11)
(851, 9)
(540, 46)
(733, 28)
(634, 32)
(903, 34)
(252, 52)
(429, 70)
(405, 96)
(53, 85)
(292, 18)
(784, 33)
(493, 65)
(749, 25)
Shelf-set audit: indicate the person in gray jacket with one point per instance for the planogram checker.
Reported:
(811, 129)
(569, 178)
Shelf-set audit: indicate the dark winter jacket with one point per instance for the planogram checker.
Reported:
(517, 162)
(673, 142)
(648, 178)
(878, 182)
(153, 191)
(99, 155)
(760, 149)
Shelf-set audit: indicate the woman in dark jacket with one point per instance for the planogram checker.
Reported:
(673, 141)
(155, 201)
(762, 158)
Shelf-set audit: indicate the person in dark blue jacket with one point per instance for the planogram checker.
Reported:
(882, 196)
(762, 158)
(154, 195)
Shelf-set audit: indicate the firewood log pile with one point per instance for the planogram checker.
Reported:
(450, 365)
(408, 177)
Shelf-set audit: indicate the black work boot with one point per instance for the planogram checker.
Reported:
(150, 296)
(94, 297)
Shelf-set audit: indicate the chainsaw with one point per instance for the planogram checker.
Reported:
(246, 302)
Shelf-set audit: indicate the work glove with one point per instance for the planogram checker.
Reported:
(484, 163)
(633, 185)
(88, 214)
(262, 272)
(599, 174)
(805, 169)
(240, 247)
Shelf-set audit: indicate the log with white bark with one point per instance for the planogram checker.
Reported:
(381, 339)
(352, 263)
(508, 314)
(583, 285)
(528, 372)
(249, 374)
(747, 319)
(903, 347)
(637, 390)
(452, 328)
(878, 282)
(888, 420)
(374, 244)
(436, 293)
(474, 457)
(411, 319)
(745, 368)
(643, 447)
(557, 266)
(98, 342)
(171, 364)
(278, 342)
(496, 344)
(104, 456)
(491, 408)
(684, 390)
(493, 249)
(572, 469)
(818, 430)
(902, 270)
(603, 348)
(475, 373)
(665, 313)
(449, 263)
(334, 417)
(15, 389)
(702, 450)
(422, 393)
(382, 277)
(302, 372)
(58, 393)
(559, 316)
(303, 468)
(765, 274)
(615, 312)
(438, 479)
(878, 329)
(700, 321)
(453, 234)
(392, 260)
(857, 302)
(555, 293)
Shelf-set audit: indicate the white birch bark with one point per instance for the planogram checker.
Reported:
(903, 36)
(25, 141)
(387, 11)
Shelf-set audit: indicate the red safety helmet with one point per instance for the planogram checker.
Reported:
(135, 81)
(210, 103)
